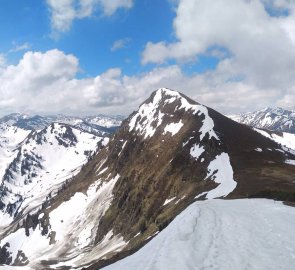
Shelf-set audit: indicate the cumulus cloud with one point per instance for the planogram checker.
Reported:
(260, 41)
(47, 83)
(64, 12)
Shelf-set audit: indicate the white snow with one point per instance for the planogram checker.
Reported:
(169, 200)
(267, 118)
(258, 149)
(110, 243)
(290, 161)
(51, 162)
(222, 235)
(149, 116)
(10, 137)
(223, 176)
(102, 171)
(105, 121)
(32, 246)
(286, 139)
(139, 233)
(123, 146)
(77, 225)
(173, 128)
(149, 113)
(196, 151)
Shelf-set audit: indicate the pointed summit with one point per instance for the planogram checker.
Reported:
(166, 111)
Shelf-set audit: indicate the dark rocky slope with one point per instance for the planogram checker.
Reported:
(155, 168)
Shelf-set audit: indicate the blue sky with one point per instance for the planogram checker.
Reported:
(91, 38)
(107, 56)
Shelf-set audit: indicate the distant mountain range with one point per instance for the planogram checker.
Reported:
(98, 124)
(275, 119)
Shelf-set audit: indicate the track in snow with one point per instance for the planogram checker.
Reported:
(222, 234)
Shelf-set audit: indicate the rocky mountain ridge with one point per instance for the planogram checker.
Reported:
(168, 154)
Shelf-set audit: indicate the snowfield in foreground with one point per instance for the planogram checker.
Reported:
(222, 234)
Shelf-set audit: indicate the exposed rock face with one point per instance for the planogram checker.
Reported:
(169, 153)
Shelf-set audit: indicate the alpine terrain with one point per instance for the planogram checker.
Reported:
(277, 124)
(276, 119)
(177, 186)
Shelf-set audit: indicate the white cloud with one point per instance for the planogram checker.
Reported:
(46, 83)
(20, 47)
(120, 44)
(261, 46)
(2, 60)
(64, 12)
(111, 6)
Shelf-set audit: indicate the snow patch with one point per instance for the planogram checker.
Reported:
(173, 128)
(169, 200)
(123, 146)
(285, 139)
(290, 162)
(196, 151)
(220, 170)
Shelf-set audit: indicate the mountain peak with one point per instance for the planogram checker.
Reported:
(166, 94)
(165, 112)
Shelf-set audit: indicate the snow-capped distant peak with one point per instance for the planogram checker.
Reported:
(276, 119)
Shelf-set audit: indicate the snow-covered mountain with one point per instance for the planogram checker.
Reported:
(104, 120)
(275, 119)
(100, 125)
(40, 164)
(276, 124)
(169, 153)
(39, 153)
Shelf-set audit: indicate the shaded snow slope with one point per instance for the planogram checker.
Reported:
(217, 234)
